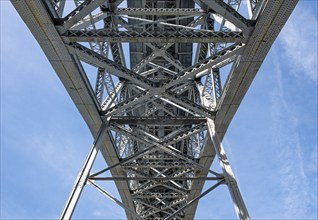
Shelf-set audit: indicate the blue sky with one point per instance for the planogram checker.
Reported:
(271, 143)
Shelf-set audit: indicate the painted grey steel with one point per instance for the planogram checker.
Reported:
(114, 199)
(159, 11)
(195, 199)
(230, 180)
(105, 35)
(166, 114)
(83, 175)
(157, 120)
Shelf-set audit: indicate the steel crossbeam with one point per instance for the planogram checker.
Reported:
(159, 11)
(165, 114)
(153, 37)
(157, 120)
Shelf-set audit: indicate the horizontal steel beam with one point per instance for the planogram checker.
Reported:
(157, 120)
(159, 11)
(158, 195)
(159, 163)
(159, 179)
(104, 35)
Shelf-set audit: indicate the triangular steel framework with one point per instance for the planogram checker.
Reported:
(169, 77)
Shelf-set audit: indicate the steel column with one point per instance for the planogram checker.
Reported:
(83, 175)
(237, 198)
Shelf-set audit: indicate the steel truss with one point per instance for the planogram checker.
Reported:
(159, 121)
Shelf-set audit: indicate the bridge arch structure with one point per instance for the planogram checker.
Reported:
(168, 77)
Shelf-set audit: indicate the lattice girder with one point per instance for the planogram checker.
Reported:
(159, 120)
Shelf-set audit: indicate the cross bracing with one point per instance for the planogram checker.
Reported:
(169, 77)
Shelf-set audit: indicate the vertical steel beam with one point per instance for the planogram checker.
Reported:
(83, 175)
(230, 180)
(217, 85)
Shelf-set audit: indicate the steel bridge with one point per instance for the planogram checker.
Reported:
(168, 77)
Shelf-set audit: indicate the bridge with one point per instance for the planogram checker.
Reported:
(169, 76)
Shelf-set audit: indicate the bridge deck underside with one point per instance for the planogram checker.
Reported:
(158, 92)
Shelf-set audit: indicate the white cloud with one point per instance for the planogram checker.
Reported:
(294, 179)
(299, 41)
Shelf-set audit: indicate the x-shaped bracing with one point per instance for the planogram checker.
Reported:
(160, 176)
(147, 92)
(156, 90)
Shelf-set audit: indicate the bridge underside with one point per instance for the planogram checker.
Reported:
(158, 83)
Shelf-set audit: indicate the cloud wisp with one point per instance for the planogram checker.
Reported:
(299, 42)
(294, 181)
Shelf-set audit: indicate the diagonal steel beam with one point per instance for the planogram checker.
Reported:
(83, 175)
(195, 199)
(125, 160)
(88, 21)
(127, 103)
(116, 69)
(111, 97)
(55, 8)
(203, 66)
(230, 14)
(86, 81)
(154, 209)
(269, 24)
(229, 177)
(188, 104)
(115, 200)
(81, 12)
(154, 146)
